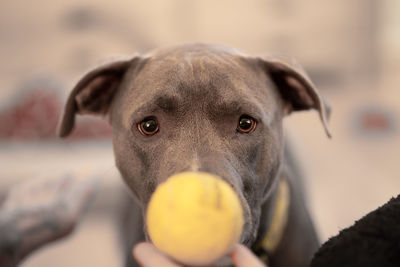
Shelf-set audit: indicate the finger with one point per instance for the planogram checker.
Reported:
(149, 256)
(243, 257)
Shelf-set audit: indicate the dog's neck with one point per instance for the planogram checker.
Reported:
(273, 220)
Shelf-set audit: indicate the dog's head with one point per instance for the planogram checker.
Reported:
(197, 108)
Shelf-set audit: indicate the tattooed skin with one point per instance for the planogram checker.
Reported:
(24, 232)
(8, 239)
(39, 212)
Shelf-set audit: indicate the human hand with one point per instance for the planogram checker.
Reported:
(149, 256)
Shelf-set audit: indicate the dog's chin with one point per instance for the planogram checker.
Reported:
(248, 236)
(249, 230)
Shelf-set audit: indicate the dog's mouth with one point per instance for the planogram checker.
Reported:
(248, 235)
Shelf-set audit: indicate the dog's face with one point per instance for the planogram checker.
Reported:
(197, 108)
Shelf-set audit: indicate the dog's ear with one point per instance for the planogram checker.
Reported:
(296, 88)
(93, 93)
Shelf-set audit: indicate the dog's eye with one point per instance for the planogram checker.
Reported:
(148, 126)
(246, 124)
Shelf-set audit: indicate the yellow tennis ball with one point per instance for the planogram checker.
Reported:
(195, 218)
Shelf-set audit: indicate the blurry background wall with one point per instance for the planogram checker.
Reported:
(351, 49)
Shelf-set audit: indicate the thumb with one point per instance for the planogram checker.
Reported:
(148, 255)
(243, 257)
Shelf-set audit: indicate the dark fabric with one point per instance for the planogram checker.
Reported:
(374, 240)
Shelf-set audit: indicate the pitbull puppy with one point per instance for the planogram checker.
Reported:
(208, 108)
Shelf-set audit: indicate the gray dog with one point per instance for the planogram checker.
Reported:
(209, 108)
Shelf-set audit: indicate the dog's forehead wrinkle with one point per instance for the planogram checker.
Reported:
(204, 58)
(197, 64)
(198, 50)
(166, 102)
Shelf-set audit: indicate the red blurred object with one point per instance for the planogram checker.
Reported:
(374, 121)
(35, 116)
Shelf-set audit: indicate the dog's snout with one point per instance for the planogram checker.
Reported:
(216, 165)
(194, 166)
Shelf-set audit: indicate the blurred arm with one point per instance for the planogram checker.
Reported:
(38, 212)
